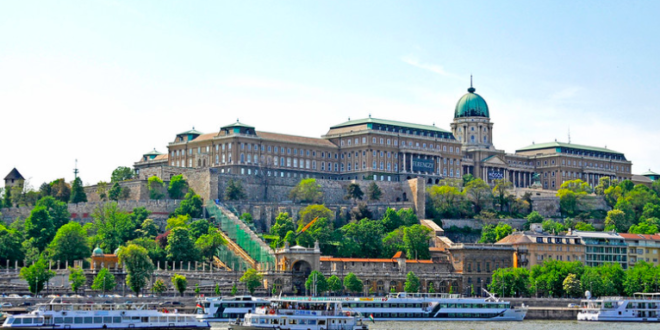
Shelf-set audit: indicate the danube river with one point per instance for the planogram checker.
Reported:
(524, 325)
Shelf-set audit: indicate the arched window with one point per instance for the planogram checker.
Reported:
(472, 138)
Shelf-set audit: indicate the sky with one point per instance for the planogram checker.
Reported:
(103, 82)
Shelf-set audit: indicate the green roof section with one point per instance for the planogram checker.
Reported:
(153, 153)
(471, 105)
(236, 124)
(192, 131)
(391, 123)
(649, 172)
(556, 144)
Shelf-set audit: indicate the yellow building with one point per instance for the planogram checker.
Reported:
(642, 248)
(535, 247)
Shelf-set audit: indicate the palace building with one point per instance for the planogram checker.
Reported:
(388, 150)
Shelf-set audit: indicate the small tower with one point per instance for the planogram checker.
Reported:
(14, 178)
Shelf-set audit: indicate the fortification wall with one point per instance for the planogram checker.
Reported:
(82, 212)
(478, 223)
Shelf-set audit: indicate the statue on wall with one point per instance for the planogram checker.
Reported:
(536, 181)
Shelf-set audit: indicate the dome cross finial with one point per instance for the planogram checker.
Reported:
(471, 89)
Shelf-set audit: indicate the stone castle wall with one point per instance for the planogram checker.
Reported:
(82, 212)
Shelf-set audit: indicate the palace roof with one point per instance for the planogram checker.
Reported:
(389, 123)
(556, 144)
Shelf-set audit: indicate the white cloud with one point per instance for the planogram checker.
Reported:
(414, 61)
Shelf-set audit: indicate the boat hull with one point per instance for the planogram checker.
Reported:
(117, 326)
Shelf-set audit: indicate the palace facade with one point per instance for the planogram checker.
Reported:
(387, 150)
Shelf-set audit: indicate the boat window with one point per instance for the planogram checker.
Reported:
(274, 321)
(163, 319)
(171, 319)
(87, 319)
(16, 321)
(321, 322)
(78, 320)
(116, 319)
(58, 320)
(98, 320)
(145, 319)
(262, 321)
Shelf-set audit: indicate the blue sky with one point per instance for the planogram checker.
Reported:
(106, 81)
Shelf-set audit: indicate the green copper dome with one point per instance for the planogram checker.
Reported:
(471, 105)
(97, 251)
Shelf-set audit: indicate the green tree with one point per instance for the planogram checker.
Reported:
(640, 278)
(57, 210)
(246, 218)
(180, 283)
(60, 190)
(354, 192)
(366, 238)
(334, 284)
(156, 253)
(412, 284)
(77, 278)
(352, 283)
(321, 231)
(104, 281)
(534, 217)
(10, 244)
(549, 277)
(416, 240)
(36, 275)
(643, 227)
(604, 280)
(510, 281)
(572, 286)
(121, 173)
(69, 244)
(493, 234)
(391, 220)
(148, 229)
(39, 227)
(393, 243)
(312, 212)
(138, 265)
(617, 220)
(217, 290)
(178, 187)
(208, 244)
(179, 221)
(408, 217)
(113, 226)
(197, 290)
(234, 290)
(6, 199)
(321, 283)
(551, 226)
(307, 191)
(252, 280)
(78, 192)
(501, 191)
(373, 192)
(159, 287)
(191, 205)
(467, 179)
(583, 226)
(479, 193)
(155, 185)
(198, 228)
(283, 225)
(180, 247)
(114, 192)
(234, 191)
(447, 201)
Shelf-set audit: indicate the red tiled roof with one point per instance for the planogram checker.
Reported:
(398, 255)
(356, 259)
(641, 237)
(206, 136)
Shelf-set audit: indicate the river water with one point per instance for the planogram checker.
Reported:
(524, 325)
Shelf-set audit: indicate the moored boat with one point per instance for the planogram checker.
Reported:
(301, 315)
(641, 307)
(83, 316)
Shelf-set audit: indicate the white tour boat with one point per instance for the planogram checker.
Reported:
(642, 307)
(288, 314)
(430, 307)
(64, 315)
(224, 309)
